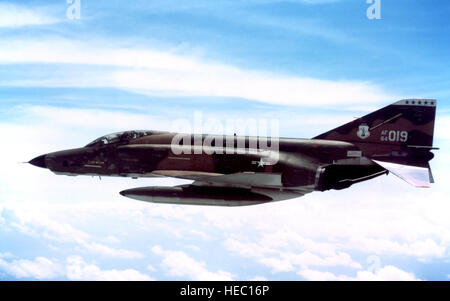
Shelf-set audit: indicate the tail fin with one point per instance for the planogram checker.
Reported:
(401, 134)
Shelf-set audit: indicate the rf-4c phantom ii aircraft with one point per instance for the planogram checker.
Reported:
(236, 171)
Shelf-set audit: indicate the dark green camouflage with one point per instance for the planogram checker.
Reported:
(237, 170)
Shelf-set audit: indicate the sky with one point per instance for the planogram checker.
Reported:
(71, 72)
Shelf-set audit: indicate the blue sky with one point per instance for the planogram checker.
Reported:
(312, 65)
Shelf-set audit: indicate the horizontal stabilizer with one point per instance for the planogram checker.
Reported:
(414, 175)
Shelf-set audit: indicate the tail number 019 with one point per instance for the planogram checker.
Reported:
(394, 136)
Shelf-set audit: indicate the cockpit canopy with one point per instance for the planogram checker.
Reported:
(119, 137)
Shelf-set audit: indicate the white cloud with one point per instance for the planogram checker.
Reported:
(12, 15)
(258, 278)
(281, 259)
(78, 269)
(39, 268)
(383, 216)
(151, 268)
(111, 252)
(426, 247)
(260, 86)
(441, 127)
(75, 269)
(179, 264)
(307, 258)
(160, 72)
(200, 234)
(101, 120)
(387, 273)
(6, 255)
(34, 222)
(193, 248)
(314, 275)
(112, 239)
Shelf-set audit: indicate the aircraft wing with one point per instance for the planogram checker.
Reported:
(211, 188)
(236, 189)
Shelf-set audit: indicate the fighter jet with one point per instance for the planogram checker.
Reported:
(240, 170)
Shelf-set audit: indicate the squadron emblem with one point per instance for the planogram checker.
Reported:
(363, 131)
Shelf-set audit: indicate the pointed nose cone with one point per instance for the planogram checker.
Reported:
(39, 161)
